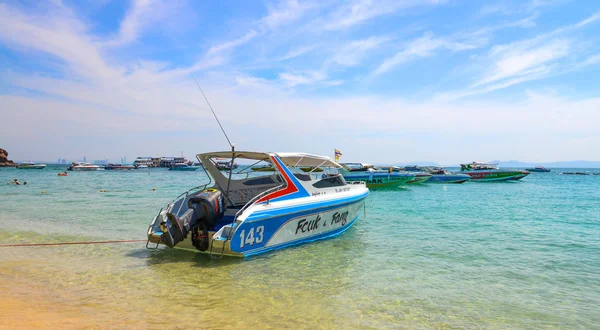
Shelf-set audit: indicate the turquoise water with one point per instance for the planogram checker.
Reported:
(479, 255)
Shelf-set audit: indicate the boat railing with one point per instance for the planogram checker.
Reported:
(251, 202)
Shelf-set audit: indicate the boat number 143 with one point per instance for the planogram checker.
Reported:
(252, 237)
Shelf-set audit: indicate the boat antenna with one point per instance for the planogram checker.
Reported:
(214, 114)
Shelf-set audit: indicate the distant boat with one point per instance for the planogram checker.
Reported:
(440, 175)
(225, 165)
(31, 166)
(484, 172)
(118, 167)
(264, 168)
(374, 178)
(141, 167)
(82, 167)
(538, 169)
(420, 175)
(311, 169)
(183, 167)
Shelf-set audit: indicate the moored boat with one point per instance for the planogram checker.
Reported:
(374, 178)
(118, 167)
(82, 167)
(440, 175)
(538, 169)
(484, 172)
(31, 166)
(225, 165)
(256, 214)
(183, 167)
(264, 168)
(420, 175)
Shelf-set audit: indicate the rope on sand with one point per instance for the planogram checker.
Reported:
(73, 243)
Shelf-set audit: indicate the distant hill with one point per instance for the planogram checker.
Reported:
(564, 164)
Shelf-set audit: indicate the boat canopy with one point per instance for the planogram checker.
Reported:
(290, 159)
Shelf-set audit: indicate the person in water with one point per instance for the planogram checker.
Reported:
(24, 183)
(15, 181)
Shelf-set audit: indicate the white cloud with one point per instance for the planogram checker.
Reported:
(233, 43)
(353, 52)
(286, 12)
(296, 52)
(360, 11)
(144, 15)
(59, 34)
(425, 47)
(302, 78)
(521, 60)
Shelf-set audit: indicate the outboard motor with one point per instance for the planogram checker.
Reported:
(209, 207)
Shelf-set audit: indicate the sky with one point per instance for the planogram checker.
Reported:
(447, 81)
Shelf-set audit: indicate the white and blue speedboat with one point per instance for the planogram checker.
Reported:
(261, 211)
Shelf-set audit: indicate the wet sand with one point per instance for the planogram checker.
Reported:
(29, 305)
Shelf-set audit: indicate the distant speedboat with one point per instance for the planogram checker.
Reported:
(264, 168)
(141, 167)
(374, 178)
(484, 172)
(420, 175)
(538, 169)
(31, 166)
(82, 167)
(118, 167)
(183, 167)
(225, 165)
(311, 169)
(440, 175)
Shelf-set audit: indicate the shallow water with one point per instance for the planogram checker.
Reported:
(478, 255)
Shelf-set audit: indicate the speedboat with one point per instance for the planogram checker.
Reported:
(183, 167)
(82, 166)
(538, 169)
(225, 165)
(31, 166)
(374, 178)
(420, 175)
(118, 167)
(440, 175)
(246, 213)
(141, 167)
(264, 168)
(483, 172)
(311, 169)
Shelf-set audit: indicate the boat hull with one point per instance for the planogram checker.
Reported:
(31, 167)
(538, 170)
(449, 178)
(489, 176)
(190, 168)
(419, 179)
(380, 180)
(274, 229)
(84, 169)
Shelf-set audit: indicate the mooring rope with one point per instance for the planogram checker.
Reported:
(73, 243)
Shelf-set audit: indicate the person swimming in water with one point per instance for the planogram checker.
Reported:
(15, 181)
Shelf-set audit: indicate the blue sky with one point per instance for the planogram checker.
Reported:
(383, 81)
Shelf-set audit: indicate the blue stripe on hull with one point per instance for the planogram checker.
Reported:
(302, 241)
